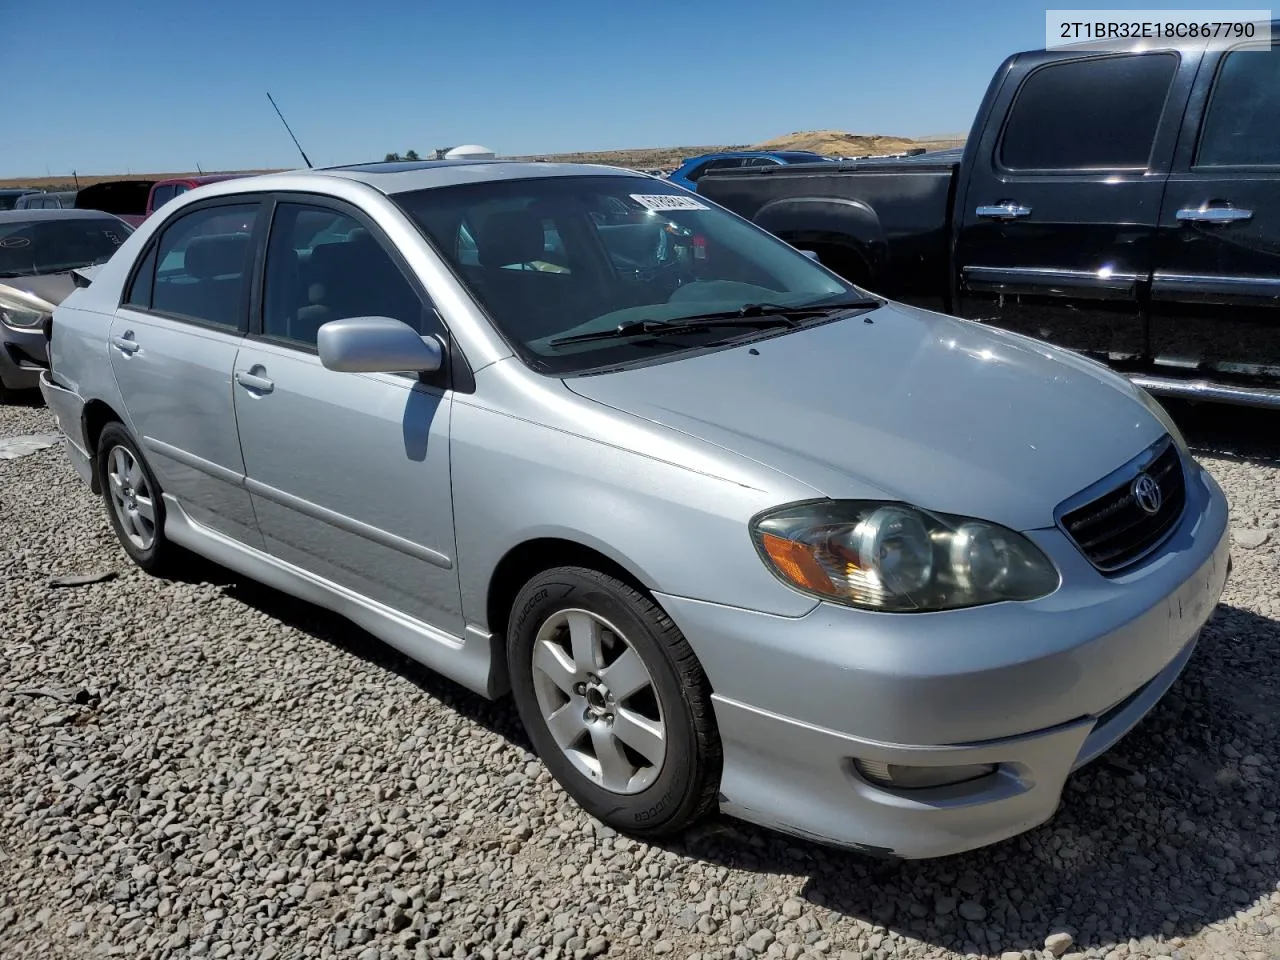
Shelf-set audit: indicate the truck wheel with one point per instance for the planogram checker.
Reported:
(133, 500)
(614, 700)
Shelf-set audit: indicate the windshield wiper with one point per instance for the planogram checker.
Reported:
(664, 328)
(784, 310)
(758, 315)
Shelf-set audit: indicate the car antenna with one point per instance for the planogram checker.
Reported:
(286, 126)
(76, 179)
(198, 170)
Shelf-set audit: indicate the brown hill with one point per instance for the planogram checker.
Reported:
(835, 143)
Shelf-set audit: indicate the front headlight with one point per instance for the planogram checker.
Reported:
(19, 310)
(897, 558)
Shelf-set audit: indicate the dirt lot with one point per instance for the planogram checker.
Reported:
(209, 769)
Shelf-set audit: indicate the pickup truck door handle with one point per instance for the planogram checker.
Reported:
(125, 343)
(254, 382)
(1214, 214)
(1004, 211)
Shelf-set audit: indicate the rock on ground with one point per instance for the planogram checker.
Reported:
(206, 768)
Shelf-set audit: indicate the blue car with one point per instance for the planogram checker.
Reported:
(688, 173)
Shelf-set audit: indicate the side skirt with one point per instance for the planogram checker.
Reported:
(469, 660)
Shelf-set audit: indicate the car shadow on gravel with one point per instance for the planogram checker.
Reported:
(1247, 434)
(497, 716)
(1170, 831)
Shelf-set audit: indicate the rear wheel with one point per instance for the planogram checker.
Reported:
(614, 700)
(133, 500)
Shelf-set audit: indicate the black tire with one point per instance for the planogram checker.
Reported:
(686, 782)
(161, 556)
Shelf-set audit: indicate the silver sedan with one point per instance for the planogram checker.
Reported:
(733, 533)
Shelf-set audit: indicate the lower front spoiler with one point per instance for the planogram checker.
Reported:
(800, 779)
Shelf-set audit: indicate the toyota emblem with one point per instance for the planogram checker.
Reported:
(1146, 493)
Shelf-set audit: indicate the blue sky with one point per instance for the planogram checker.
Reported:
(146, 86)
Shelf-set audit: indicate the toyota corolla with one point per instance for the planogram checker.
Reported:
(734, 533)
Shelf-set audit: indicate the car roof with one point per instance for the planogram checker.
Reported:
(404, 176)
(51, 213)
(9, 191)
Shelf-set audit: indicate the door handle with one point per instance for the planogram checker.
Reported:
(125, 343)
(1213, 214)
(1003, 211)
(254, 382)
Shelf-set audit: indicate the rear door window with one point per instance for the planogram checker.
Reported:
(1090, 114)
(203, 265)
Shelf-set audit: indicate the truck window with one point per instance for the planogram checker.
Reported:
(1244, 112)
(161, 195)
(1097, 113)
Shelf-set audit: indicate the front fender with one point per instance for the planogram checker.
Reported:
(677, 527)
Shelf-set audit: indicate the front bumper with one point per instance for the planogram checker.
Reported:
(68, 408)
(1038, 689)
(24, 353)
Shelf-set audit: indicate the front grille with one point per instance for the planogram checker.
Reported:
(1114, 531)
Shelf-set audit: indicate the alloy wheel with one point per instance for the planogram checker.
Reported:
(598, 700)
(131, 497)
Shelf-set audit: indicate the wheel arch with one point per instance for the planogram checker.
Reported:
(527, 559)
(849, 230)
(95, 416)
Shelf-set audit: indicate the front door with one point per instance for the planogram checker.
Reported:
(1059, 214)
(173, 344)
(1215, 297)
(349, 472)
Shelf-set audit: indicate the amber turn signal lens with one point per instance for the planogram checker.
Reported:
(797, 563)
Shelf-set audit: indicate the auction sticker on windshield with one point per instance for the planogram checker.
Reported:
(666, 201)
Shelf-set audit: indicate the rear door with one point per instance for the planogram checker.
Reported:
(1215, 297)
(173, 344)
(1058, 218)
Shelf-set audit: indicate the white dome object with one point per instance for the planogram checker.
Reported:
(470, 151)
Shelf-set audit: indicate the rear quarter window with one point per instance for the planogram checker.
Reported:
(1242, 126)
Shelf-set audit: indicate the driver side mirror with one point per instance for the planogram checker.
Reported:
(377, 345)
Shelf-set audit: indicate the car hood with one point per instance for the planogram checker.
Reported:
(52, 288)
(903, 404)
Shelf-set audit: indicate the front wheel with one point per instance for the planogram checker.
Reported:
(614, 700)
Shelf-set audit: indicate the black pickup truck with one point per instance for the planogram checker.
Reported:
(1124, 204)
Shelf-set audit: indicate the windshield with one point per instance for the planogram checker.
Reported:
(554, 257)
(35, 247)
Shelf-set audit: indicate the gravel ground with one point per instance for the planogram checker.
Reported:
(209, 768)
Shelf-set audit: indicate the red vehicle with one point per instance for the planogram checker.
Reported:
(162, 191)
